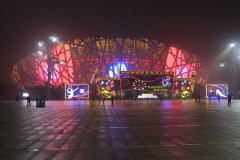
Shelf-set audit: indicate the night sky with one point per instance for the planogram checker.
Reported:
(204, 28)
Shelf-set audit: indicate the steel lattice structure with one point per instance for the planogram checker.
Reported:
(108, 55)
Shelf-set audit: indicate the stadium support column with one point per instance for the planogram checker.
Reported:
(49, 62)
(93, 84)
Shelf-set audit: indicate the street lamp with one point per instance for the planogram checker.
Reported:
(222, 64)
(232, 51)
(232, 45)
(234, 72)
(49, 61)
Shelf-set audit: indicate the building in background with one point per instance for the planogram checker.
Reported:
(106, 57)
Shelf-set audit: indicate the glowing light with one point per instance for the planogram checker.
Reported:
(39, 52)
(81, 61)
(52, 38)
(222, 64)
(40, 44)
(62, 62)
(111, 72)
(81, 90)
(59, 74)
(114, 71)
(213, 90)
(76, 91)
(25, 94)
(232, 45)
(176, 62)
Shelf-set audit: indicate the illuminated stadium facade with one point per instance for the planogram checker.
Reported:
(108, 56)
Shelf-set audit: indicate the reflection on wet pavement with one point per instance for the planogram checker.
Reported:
(171, 129)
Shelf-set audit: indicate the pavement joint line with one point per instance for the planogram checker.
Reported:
(129, 147)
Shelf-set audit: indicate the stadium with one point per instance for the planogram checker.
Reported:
(106, 57)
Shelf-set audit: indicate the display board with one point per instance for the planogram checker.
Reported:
(76, 91)
(183, 87)
(152, 84)
(108, 87)
(213, 90)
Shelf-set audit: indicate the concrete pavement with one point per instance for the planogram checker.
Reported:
(128, 130)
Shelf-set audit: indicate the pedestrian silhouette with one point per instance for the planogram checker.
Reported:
(196, 98)
(209, 98)
(28, 101)
(229, 99)
(103, 99)
(112, 98)
(17, 98)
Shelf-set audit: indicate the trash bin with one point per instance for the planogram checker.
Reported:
(40, 103)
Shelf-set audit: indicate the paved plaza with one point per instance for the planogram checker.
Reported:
(128, 130)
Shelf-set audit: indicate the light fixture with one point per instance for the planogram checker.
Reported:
(40, 52)
(62, 62)
(52, 38)
(232, 45)
(41, 43)
(222, 64)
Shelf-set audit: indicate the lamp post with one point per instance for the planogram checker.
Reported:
(49, 61)
(234, 72)
(232, 67)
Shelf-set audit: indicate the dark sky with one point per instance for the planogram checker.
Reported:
(201, 27)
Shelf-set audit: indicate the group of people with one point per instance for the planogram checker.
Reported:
(229, 97)
(197, 98)
(218, 97)
(102, 98)
(28, 100)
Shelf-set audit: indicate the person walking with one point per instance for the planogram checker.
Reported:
(229, 99)
(99, 99)
(196, 98)
(112, 99)
(219, 98)
(28, 101)
(199, 98)
(103, 99)
(209, 98)
(17, 99)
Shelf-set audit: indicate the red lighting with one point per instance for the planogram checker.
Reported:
(84, 56)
